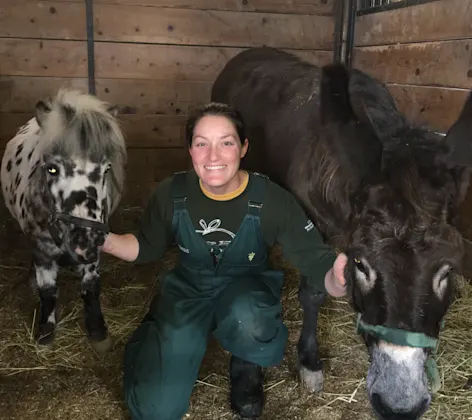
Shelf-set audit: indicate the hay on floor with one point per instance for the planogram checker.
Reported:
(71, 381)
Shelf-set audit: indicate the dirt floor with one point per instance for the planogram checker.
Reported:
(72, 382)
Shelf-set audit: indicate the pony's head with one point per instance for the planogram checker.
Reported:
(81, 155)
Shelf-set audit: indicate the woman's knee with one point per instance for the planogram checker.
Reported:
(146, 401)
(255, 315)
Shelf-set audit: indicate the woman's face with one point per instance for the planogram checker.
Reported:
(216, 153)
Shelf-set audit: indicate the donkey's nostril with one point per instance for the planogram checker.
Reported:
(380, 407)
(387, 413)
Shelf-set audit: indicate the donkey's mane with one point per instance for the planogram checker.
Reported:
(79, 125)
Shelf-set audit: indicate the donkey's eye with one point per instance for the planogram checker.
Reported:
(360, 266)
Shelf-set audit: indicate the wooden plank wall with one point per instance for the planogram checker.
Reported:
(156, 59)
(424, 54)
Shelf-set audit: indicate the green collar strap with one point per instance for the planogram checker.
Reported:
(406, 338)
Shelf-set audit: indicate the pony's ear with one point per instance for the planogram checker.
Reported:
(42, 109)
(113, 110)
(373, 105)
(459, 137)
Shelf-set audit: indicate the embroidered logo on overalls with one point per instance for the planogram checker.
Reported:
(213, 226)
(309, 226)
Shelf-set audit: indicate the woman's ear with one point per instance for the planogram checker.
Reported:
(244, 148)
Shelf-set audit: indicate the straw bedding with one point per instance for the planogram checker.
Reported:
(70, 381)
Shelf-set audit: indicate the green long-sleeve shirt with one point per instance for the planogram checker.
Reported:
(283, 221)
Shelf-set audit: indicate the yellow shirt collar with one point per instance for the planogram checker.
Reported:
(229, 195)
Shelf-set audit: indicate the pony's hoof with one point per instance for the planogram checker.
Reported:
(45, 335)
(102, 346)
(313, 380)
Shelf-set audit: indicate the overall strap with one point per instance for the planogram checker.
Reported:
(257, 193)
(179, 195)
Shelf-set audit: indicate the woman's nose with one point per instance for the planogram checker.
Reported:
(214, 154)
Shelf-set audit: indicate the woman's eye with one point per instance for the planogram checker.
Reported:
(228, 143)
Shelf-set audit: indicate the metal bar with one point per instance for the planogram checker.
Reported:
(338, 31)
(344, 31)
(350, 32)
(90, 46)
(377, 6)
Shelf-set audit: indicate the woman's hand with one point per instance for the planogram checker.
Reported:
(335, 283)
(124, 247)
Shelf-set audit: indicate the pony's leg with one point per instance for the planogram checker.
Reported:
(94, 322)
(311, 367)
(44, 274)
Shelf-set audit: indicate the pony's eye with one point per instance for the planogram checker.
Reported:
(52, 169)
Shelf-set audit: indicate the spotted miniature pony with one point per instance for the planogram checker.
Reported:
(62, 177)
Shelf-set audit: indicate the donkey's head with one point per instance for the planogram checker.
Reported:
(81, 153)
(402, 247)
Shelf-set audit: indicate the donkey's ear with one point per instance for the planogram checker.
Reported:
(373, 105)
(335, 106)
(42, 109)
(459, 136)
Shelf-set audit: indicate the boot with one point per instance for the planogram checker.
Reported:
(247, 393)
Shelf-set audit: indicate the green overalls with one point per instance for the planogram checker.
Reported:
(236, 298)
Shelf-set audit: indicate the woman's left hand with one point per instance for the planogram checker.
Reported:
(335, 283)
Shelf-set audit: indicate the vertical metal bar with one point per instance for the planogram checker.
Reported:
(350, 31)
(90, 46)
(338, 31)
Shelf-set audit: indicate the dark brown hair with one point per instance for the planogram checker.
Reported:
(216, 109)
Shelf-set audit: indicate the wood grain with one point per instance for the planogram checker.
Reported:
(437, 107)
(212, 28)
(316, 7)
(161, 97)
(51, 58)
(447, 63)
(20, 94)
(42, 19)
(436, 21)
(165, 62)
(153, 131)
(152, 165)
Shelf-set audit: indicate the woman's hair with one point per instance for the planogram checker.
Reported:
(219, 110)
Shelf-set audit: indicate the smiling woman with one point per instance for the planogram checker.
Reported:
(217, 144)
(224, 221)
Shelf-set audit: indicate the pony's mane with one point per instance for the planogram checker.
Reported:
(81, 125)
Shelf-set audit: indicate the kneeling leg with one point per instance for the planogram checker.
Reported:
(250, 326)
(162, 360)
(311, 366)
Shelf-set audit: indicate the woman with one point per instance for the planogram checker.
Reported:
(223, 220)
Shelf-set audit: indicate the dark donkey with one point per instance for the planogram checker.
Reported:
(380, 189)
